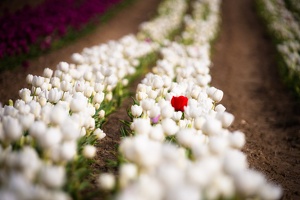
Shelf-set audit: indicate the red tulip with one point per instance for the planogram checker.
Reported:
(179, 102)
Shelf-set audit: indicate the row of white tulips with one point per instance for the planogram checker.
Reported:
(284, 26)
(39, 132)
(188, 154)
(160, 28)
(180, 146)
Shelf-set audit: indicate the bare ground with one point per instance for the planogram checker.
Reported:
(244, 68)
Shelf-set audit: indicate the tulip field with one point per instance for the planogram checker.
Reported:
(177, 142)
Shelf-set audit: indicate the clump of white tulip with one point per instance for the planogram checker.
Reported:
(60, 108)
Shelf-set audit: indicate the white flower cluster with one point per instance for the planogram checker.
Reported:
(286, 29)
(170, 14)
(190, 154)
(202, 25)
(39, 131)
(58, 110)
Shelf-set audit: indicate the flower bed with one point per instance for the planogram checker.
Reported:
(177, 145)
(282, 21)
(33, 30)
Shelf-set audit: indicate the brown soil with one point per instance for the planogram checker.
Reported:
(244, 68)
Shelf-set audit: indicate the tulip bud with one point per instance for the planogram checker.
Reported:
(99, 134)
(106, 181)
(136, 110)
(237, 139)
(89, 151)
(37, 81)
(63, 66)
(48, 72)
(12, 128)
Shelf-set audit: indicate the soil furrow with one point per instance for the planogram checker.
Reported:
(245, 69)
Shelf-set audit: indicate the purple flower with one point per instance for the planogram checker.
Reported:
(154, 120)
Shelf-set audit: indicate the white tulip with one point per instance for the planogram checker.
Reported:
(37, 129)
(128, 172)
(50, 138)
(136, 110)
(17, 183)
(88, 76)
(218, 145)
(106, 181)
(212, 127)
(65, 86)
(54, 95)
(99, 134)
(141, 96)
(217, 95)
(186, 137)
(99, 87)
(220, 108)
(270, 191)
(157, 82)
(37, 81)
(157, 133)
(12, 128)
(26, 120)
(10, 110)
(78, 103)
(29, 79)
(58, 114)
(177, 116)
(63, 66)
(198, 122)
(125, 82)
(70, 130)
(77, 58)
(68, 150)
(42, 101)
(154, 111)
(249, 182)
(184, 191)
(98, 97)
(25, 95)
(225, 186)
(234, 161)
(167, 111)
(109, 96)
(101, 114)
(52, 176)
(170, 175)
(147, 104)
(79, 86)
(226, 118)
(88, 91)
(55, 82)
(237, 139)
(152, 94)
(141, 126)
(169, 126)
(47, 72)
(89, 151)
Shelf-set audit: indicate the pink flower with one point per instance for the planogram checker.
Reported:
(179, 103)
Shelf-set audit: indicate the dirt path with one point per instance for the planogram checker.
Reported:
(245, 69)
(124, 22)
